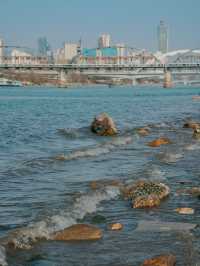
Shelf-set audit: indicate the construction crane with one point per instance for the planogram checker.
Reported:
(14, 46)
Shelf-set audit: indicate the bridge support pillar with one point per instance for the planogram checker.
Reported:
(167, 79)
(63, 77)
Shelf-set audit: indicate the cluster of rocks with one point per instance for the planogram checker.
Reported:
(142, 194)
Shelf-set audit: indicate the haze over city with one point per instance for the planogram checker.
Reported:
(131, 22)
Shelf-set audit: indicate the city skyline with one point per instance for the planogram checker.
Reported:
(130, 22)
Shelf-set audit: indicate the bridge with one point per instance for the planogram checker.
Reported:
(110, 71)
(178, 64)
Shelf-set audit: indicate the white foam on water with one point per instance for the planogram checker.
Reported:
(3, 261)
(69, 132)
(24, 238)
(161, 125)
(192, 147)
(155, 173)
(170, 157)
(100, 149)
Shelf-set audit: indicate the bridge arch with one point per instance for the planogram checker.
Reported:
(189, 57)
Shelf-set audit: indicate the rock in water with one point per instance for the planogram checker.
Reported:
(146, 201)
(185, 210)
(159, 142)
(103, 125)
(115, 226)
(196, 133)
(144, 131)
(164, 260)
(192, 125)
(78, 232)
(146, 193)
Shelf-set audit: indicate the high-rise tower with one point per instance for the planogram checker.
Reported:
(163, 37)
(43, 46)
(104, 41)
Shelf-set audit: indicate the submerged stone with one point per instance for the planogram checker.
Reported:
(159, 226)
(163, 260)
(78, 232)
(98, 219)
(103, 125)
(99, 184)
(144, 131)
(158, 142)
(195, 191)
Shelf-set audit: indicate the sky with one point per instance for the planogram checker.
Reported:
(133, 22)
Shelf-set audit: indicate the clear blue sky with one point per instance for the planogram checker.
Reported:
(131, 21)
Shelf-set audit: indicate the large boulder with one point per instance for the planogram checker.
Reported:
(78, 232)
(158, 142)
(146, 194)
(164, 260)
(103, 125)
(148, 201)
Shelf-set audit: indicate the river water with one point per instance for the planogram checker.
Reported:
(40, 194)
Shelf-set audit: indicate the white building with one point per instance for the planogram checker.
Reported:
(1, 51)
(59, 56)
(121, 53)
(20, 57)
(70, 51)
(104, 41)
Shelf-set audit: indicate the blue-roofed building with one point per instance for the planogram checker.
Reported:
(99, 56)
(89, 52)
(109, 51)
(105, 52)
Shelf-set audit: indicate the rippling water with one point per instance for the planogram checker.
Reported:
(48, 157)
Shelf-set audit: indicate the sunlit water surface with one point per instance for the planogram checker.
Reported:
(40, 124)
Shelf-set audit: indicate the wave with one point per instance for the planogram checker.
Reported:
(74, 133)
(153, 172)
(3, 261)
(24, 238)
(97, 150)
(168, 125)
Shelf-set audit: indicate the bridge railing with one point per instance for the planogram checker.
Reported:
(4, 65)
